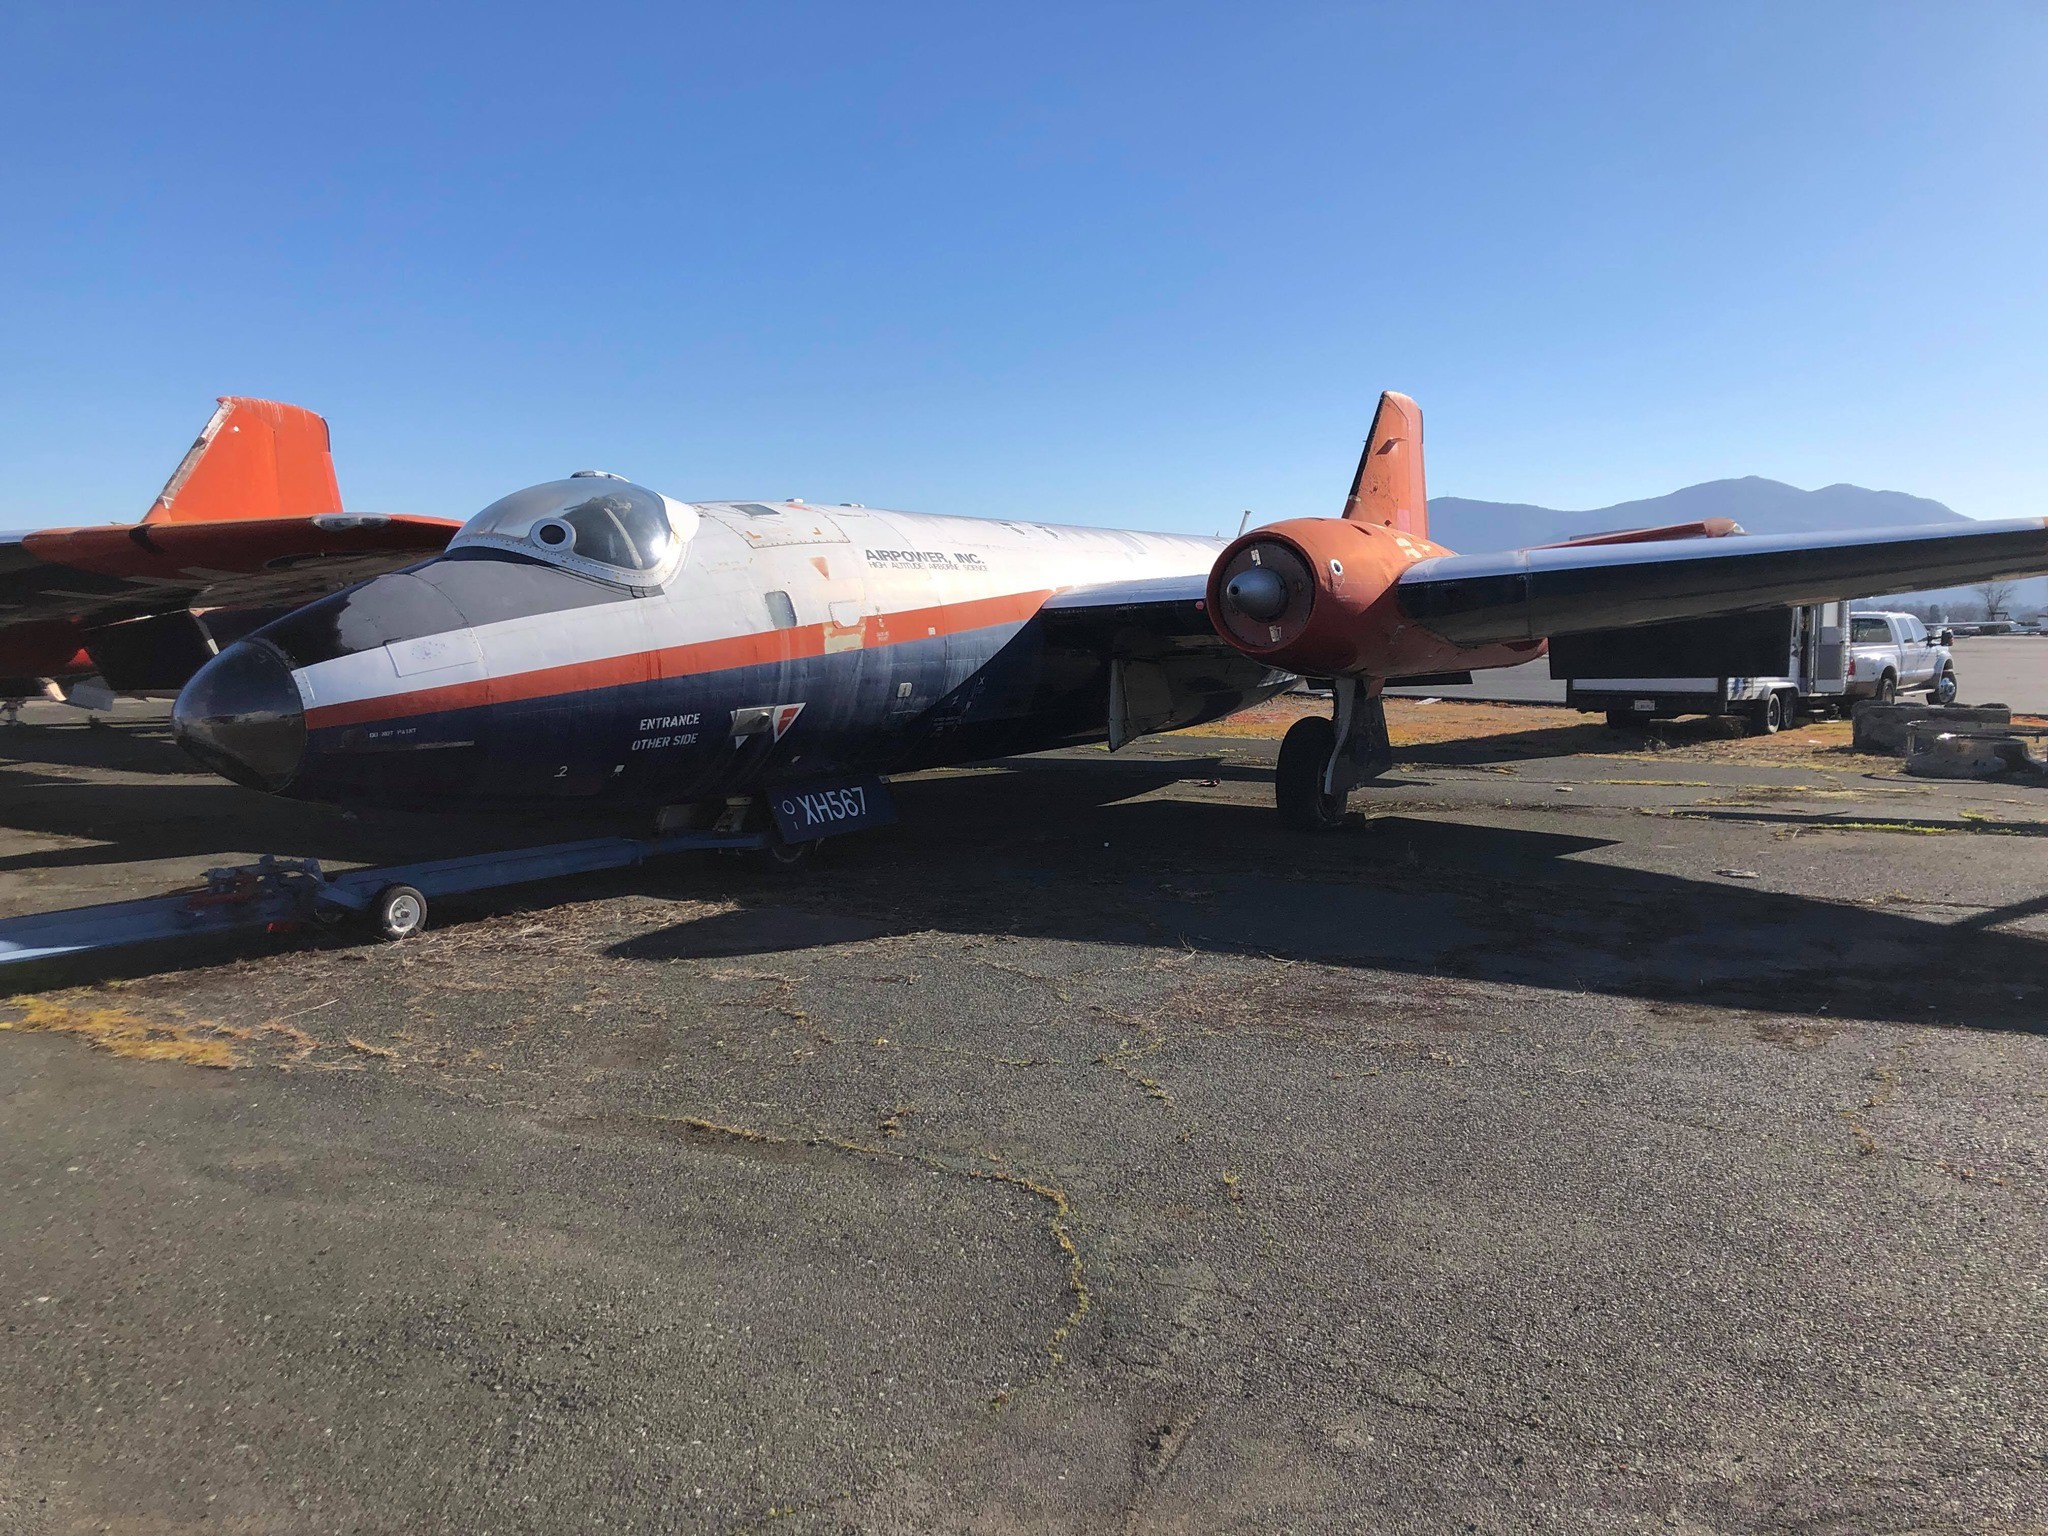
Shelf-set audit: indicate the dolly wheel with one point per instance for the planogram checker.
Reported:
(1298, 783)
(782, 858)
(399, 912)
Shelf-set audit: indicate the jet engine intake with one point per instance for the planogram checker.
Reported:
(1312, 595)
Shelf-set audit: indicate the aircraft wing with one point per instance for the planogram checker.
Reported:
(1146, 618)
(96, 576)
(1530, 594)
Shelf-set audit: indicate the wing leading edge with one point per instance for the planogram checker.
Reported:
(1530, 594)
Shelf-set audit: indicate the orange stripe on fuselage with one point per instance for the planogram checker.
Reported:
(763, 648)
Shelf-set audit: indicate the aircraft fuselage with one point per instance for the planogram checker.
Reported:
(791, 643)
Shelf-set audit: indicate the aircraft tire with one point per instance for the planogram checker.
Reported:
(1298, 782)
(399, 912)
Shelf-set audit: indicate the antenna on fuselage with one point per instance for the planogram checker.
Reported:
(1244, 522)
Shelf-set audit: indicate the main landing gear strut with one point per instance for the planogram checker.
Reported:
(1322, 761)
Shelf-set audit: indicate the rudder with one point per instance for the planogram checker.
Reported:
(256, 459)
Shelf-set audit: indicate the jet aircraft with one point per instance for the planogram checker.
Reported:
(249, 526)
(593, 641)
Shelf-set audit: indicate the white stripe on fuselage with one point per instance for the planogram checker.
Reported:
(881, 563)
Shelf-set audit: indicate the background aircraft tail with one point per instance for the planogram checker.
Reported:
(256, 459)
(1388, 489)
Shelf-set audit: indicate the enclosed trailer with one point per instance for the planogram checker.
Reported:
(1771, 666)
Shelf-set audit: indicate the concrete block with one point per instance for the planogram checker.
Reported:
(1882, 727)
(1970, 757)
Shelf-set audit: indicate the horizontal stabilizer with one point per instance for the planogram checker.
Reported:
(1531, 594)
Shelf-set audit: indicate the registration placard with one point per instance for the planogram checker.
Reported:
(807, 812)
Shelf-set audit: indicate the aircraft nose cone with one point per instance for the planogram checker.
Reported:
(241, 716)
(1257, 593)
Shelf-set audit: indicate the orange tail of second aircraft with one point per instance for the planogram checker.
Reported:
(1388, 489)
(256, 459)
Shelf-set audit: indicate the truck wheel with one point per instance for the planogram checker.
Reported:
(1944, 690)
(399, 912)
(1887, 688)
(1298, 783)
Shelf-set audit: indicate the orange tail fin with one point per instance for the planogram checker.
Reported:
(256, 459)
(1389, 488)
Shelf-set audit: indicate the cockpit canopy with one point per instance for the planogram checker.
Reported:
(595, 524)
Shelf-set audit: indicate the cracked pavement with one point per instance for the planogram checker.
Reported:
(1571, 1143)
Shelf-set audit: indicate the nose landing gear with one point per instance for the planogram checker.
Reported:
(1322, 761)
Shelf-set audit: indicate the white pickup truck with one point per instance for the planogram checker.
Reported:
(1891, 654)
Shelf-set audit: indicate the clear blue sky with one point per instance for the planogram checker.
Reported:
(1100, 262)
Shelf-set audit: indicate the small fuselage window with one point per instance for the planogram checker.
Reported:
(781, 611)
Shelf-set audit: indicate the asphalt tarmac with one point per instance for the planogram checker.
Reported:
(1610, 1143)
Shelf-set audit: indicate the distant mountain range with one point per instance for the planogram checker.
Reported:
(1760, 505)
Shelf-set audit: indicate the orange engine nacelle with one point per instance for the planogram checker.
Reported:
(1316, 596)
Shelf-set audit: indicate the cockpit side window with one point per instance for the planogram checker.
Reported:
(609, 530)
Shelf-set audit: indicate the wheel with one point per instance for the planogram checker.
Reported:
(789, 858)
(1769, 718)
(1944, 690)
(1887, 688)
(399, 912)
(1626, 720)
(1298, 784)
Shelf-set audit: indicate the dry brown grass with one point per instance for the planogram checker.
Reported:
(1546, 730)
(121, 1033)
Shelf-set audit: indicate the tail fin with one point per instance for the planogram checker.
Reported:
(256, 459)
(1389, 489)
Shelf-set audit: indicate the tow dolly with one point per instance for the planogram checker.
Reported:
(276, 892)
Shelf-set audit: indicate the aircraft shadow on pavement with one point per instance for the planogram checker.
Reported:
(200, 816)
(123, 746)
(1085, 849)
(1030, 854)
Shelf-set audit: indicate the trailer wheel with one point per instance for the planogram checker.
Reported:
(1298, 781)
(399, 912)
(1769, 718)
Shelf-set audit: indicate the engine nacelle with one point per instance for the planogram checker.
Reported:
(1316, 595)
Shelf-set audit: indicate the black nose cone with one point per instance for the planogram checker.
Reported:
(241, 716)
(1258, 593)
